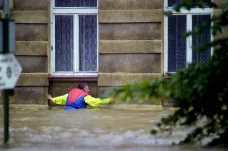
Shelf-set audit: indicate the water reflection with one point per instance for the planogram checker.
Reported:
(97, 129)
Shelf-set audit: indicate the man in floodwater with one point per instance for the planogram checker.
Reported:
(78, 98)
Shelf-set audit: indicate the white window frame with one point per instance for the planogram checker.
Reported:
(75, 11)
(188, 13)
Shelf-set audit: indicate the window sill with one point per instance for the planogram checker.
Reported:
(73, 77)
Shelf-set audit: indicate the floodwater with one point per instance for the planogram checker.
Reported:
(89, 130)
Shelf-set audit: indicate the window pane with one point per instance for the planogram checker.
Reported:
(200, 40)
(176, 2)
(172, 2)
(176, 43)
(63, 43)
(75, 3)
(88, 42)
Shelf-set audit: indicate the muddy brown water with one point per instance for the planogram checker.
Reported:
(89, 130)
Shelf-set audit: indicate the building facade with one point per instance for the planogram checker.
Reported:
(106, 43)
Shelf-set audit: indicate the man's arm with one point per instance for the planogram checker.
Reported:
(58, 100)
(94, 102)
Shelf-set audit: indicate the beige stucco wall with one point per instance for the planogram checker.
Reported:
(31, 18)
(130, 44)
(130, 47)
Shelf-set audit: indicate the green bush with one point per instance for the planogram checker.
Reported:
(200, 91)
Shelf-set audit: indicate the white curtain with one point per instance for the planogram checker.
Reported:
(88, 42)
(63, 43)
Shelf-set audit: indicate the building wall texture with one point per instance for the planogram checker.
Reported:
(130, 44)
(31, 18)
(130, 47)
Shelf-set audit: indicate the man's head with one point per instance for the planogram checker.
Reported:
(84, 86)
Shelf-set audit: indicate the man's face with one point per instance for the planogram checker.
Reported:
(86, 88)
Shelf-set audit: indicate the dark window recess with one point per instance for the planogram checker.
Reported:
(63, 43)
(173, 2)
(88, 42)
(176, 2)
(176, 43)
(75, 3)
(201, 40)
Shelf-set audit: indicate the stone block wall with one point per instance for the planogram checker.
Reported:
(31, 18)
(130, 41)
(130, 47)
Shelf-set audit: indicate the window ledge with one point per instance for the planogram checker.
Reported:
(73, 77)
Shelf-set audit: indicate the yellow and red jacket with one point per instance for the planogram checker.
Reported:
(78, 99)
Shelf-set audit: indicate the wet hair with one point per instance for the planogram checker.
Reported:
(82, 85)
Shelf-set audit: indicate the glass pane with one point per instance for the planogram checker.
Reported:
(88, 42)
(75, 3)
(63, 43)
(176, 43)
(200, 40)
(176, 2)
(173, 2)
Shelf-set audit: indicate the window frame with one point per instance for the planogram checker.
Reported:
(189, 14)
(75, 12)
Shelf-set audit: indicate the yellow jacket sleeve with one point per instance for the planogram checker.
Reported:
(94, 102)
(60, 99)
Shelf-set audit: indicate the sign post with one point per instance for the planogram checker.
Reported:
(10, 69)
(6, 50)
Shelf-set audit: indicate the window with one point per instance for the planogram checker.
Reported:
(178, 50)
(74, 36)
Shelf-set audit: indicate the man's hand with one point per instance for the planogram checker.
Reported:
(49, 97)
